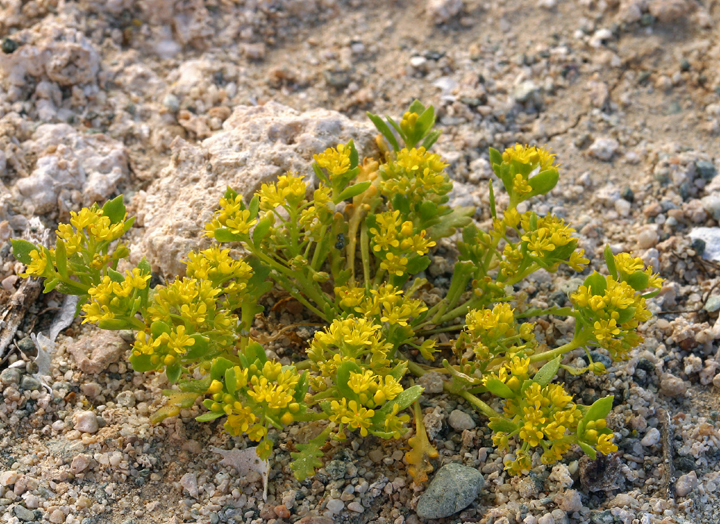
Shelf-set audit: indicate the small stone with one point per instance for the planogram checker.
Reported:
(432, 382)
(604, 148)
(91, 389)
(8, 478)
(57, 517)
(647, 238)
(335, 506)
(418, 61)
(459, 420)
(96, 351)
(315, 519)
(672, 386)
(525, 92)
(86, 422)
(282, 512)
(711, 204)
(26, 344)
(9, 46)
(686, 484)
(546, 519)
(171, 103)
(356, 507)
(336, 469)
(24, 514)
(712, 304)
(453, 489)
(716, 380)
(651, 438)
(29, 383)
(622, 206)
(627, 194)
(706, 169)
(442, 11)
(376, 455)
(80, 463)
(31, 501)
(126, 399)
(711, 237)
(10, 376)
(189, 483)
(569, 501)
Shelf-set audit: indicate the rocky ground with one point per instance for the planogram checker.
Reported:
(168, 101)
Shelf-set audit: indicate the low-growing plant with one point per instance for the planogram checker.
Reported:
(352, 250)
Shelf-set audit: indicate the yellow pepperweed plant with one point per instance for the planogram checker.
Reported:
(352, 249)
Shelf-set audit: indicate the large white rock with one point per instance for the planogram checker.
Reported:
(257, 144)
(69, 160)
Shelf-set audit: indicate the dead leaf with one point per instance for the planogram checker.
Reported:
(245, 461)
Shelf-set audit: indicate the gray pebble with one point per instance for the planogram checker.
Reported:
(26, 344)
(459, 420)
(712, 304)
(30, 383)
(126, 399)
(432, 382)
(706, 169)
(24, 514)
(10, 376)
(453, 489)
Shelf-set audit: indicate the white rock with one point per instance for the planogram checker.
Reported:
(622, 206)
(441, 11)
(8, 478)
(189, 483)
(459, 420)
(257, 144)
(569, 501)
(80, 463)
(716, 380)
(93, 164)
(86, 422)
(672, 386)
(335, 506)
(651, 438)
(546, 519)
(711, 237)
(647, 238)
(604, 148)
(432, 382)
(57, 516)
(686, 484)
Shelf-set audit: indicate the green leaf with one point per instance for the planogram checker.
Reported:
(502, 425)
(173, 373)
(498, 388)
(352, 191)
(417, 264)
(196, 386)
(115, 324)
(115, 210)
(417, 107)
(219, 366)
(544, 182)
(22, 250)
(589, 451)
(319, 173)
(460, 217)
(384, 130)
(159, 327)
(495, 156)
(223, 235)
(144, 266)
(397, 127)
(428, 210)
(401, 203)
(142, 363)
(207, 417)
(493, 211)
(425, 121)
(301, 387)
(651, 294)
(610, 261)
(230, 380)
(403, 400)
(128, 224)
(343, 377)
(307, 460)
(199, 349)
(624, 315)
(115, 276)
(256, 353)
(254, 207)
(599, 409)
(61, 258)
(354, 157)
(261, 230)
(638, 280)
(230, 193)
(431, 138)
(596, 283)
(546, 373)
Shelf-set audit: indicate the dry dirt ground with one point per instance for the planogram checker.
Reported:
(627, 95)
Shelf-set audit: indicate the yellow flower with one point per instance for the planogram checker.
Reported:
(257, 432)
(605, 329)
(521, 185)
(534, 156)
(84, 218)
(394, 264)
(361, 382)
(577, 261)
(38, 264)
(357, 417)
(94, 312)
(335, 161)
(605, 444)
(289, 189)
(232, 216)
(73, 240)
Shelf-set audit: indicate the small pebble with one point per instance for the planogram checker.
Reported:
(432, 382)
(686, 484)
(651, 438)
(335, 506)
(459, 420)
(672, 386)
(86, 422)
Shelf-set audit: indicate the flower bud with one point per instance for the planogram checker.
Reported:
(215, 387)
(287, 418)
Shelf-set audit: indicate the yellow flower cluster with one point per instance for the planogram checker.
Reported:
(352, 339)
(353, 414)
(414, 174)
(373, 389)
(335, 161)
(546, 416)
(628, 266)
(232, 216)
(224, 272)
(490, 332)
(395, 242)
(165, 349)
(533, 156)
(387, 303)
(614, 314)
(111, 299)
(288, 190)
(553, 242)
(38, 266)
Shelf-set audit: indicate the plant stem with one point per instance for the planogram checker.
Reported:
(439, 330)
(575, 343)
(365, 253)
(559, 311)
